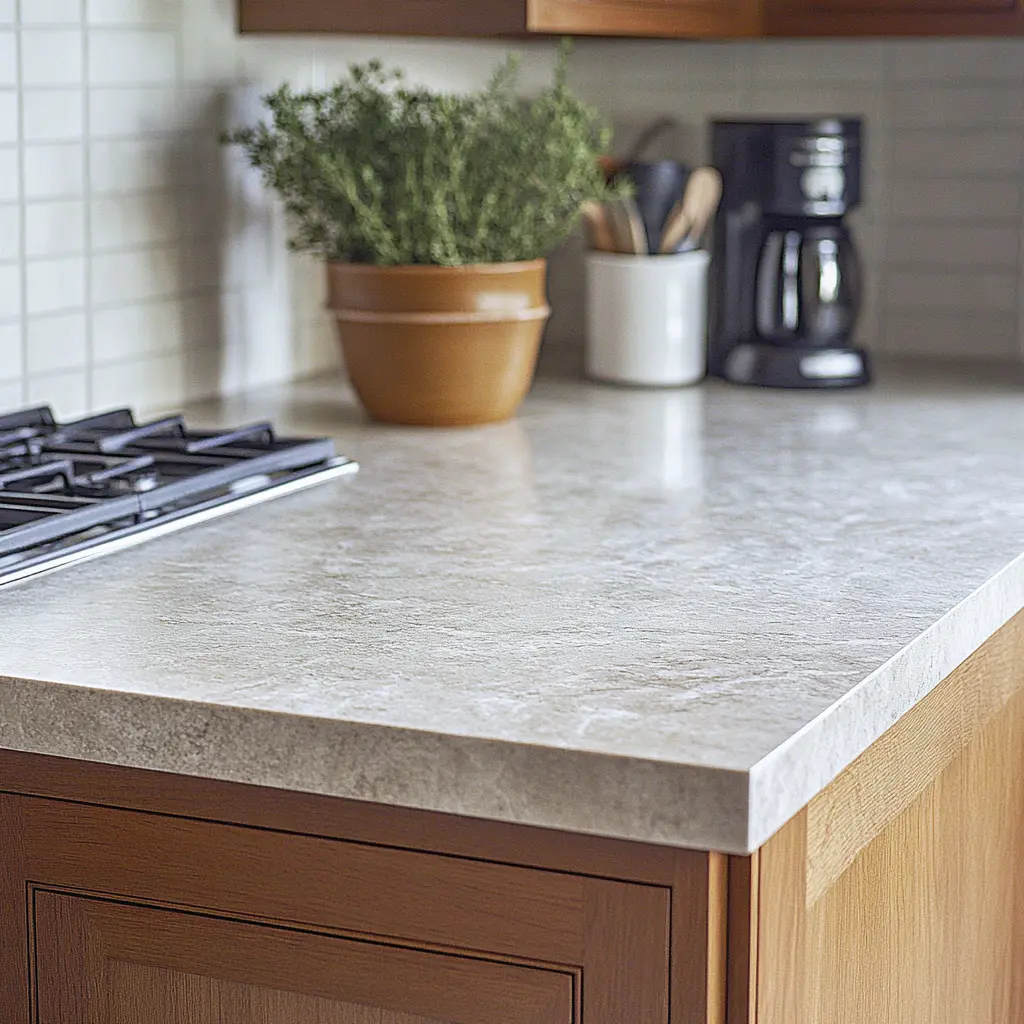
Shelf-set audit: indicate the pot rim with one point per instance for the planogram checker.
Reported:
(402, 269)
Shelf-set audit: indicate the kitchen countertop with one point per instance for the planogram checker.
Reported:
(672, 616)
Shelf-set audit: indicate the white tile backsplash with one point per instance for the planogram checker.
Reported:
(54, 285)
(954, 200)
(976, 246)
(54, 171)
(8, 59)
(956, 60)
(10, 291)
(10, 232)
(948, 291)
(56, 343)
(957, 106)
(157, 382)
(132, 12)
(52, 115)
(54, 228)
(10, 174)
(154, 267)
(122, 222)
(51, 12)
(67, 393)
(126, 277)
(144, 329)
(8, 116)
(133, 165)
(132, 56)
(130, 111)
(984, 152)
(11, 361)
(51, 56)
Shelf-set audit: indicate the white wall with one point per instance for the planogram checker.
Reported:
(139, 265)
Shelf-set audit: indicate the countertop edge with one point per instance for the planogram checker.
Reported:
(661, 802)
(588, 792)
(796, 771)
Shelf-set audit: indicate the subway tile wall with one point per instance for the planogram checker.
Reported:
(139, 263)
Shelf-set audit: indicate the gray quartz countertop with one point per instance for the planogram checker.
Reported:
(672, 616)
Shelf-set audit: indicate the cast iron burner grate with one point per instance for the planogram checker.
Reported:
(70, 491)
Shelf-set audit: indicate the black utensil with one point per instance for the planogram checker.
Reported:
(657, 187)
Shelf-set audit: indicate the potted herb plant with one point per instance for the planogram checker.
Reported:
(435, 213)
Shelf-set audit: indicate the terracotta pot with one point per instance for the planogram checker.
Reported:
(439, 346)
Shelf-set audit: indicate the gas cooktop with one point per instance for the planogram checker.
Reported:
(71, 491)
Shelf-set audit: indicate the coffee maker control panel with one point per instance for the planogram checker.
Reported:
(816, 169)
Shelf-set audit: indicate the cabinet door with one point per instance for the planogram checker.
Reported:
(101, 962)
(893, 17)
(124, 905)
(824, 6)
(687, 18)
(394, 17)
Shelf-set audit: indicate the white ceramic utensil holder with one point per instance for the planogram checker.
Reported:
(647, 318)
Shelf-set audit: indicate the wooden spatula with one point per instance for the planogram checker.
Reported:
(692, 214)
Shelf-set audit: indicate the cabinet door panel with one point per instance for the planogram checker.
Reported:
(646, 17)
(907, 5)
(893, 17)
(328, 894)
(101, 962)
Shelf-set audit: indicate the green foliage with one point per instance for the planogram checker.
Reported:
(374, 171)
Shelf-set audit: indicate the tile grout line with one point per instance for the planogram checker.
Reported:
(22, 231)
(87, 207)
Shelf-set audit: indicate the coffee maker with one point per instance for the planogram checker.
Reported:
(785, 284)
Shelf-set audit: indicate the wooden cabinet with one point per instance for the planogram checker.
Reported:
(686, 18)
(511, 18)
(893, 17)
(897, 895)
(317, 910)
(100, 961)
(650, 18)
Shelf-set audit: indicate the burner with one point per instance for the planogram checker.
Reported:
(74, 490)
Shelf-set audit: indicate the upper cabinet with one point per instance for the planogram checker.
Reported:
(671, 18)
(651, 18)
(512, 18)
(893, 17)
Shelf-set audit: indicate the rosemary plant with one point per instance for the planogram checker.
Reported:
(375, 171)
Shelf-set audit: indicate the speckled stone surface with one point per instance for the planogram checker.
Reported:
(669, 616)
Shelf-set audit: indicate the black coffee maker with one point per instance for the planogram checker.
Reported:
(785, 286)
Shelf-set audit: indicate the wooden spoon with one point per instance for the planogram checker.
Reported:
(691, 216)
(600, 234)
(628, 225)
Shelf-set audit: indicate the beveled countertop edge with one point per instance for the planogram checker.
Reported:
(787, 779)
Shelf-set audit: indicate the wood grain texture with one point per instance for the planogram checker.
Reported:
(925, 923)
(15, 938)
(886, 779)
(743, 908)
(685, 874)
(96, 954)
(160, 996)
(893, 17)
(613, 936)
(670, 18)
(395, 17)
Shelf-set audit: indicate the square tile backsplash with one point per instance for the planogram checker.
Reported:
(141, 264)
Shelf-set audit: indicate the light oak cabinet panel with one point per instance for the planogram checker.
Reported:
(672, 18)
(897, 895)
